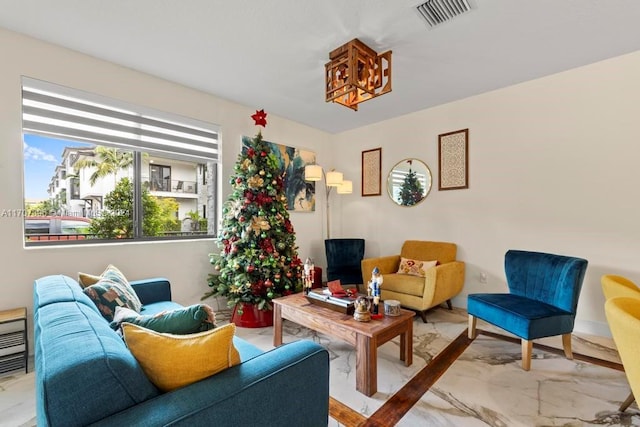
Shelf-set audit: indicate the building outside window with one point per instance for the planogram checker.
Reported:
(122, 172)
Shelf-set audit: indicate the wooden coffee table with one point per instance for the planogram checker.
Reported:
(366, 337)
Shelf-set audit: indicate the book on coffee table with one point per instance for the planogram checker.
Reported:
(335, 289)
(343, 304)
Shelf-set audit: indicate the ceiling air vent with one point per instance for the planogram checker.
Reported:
(437, 12)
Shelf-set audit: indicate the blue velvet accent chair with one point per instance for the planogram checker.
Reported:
(343, 260)
(542, 300)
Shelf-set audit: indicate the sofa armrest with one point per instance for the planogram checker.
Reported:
(288, 385)
(386, 265)
(152, 290)
(444, 282)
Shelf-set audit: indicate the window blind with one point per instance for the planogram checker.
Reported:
(57, 111)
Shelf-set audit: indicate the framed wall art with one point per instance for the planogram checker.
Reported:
(372, 172)
(300, 194)
(453, 160)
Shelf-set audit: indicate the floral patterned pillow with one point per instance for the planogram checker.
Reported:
(415, 267)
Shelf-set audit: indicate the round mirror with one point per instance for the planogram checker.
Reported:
(409, 182)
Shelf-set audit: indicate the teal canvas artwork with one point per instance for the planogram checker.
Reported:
(301, 194)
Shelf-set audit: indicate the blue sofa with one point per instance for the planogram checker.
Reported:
(85, 375)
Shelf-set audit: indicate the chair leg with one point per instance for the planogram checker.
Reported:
(449, 306)
(527, 346)
(472, 327)
(566, 344)
(627, 402)
(423, 314)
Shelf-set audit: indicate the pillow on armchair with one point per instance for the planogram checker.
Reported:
(415, 267)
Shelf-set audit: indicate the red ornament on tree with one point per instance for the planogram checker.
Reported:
(260, 117)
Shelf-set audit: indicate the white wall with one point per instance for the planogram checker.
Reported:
(185, 263)
(553, 168)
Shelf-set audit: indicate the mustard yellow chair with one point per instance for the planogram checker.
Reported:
(623, 316)
(618, 286)
(418, 285)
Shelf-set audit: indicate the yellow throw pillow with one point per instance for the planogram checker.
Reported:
(85, 279)
(173, 361)
(415, 267)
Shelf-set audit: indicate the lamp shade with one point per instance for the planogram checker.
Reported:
(313, 173)
(346, 187)
(334, 179)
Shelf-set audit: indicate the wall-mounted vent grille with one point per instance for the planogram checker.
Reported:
(436, 12)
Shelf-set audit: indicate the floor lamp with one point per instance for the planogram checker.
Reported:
(331, 179)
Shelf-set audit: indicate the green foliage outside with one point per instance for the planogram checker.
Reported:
(47, 207)
(116, 221)
(257, 258)
(109, 162)
(167, 208)
(198, 223)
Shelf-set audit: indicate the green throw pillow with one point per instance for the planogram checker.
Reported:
(180, 321)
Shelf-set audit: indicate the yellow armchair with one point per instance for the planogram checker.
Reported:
(614, 286)
(441, 282)
(623, 316)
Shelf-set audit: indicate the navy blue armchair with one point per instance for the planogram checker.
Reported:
(542, 299)
(343, 260)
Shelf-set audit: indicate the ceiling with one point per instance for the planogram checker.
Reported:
(270, 54)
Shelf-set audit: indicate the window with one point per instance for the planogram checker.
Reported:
(74, 182)
(160, 178)
(113, 171)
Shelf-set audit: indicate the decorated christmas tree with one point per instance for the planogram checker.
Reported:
(257, 259)
(411, 189)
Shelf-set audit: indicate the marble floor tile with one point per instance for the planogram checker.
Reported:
(428, 340)
(484, 387)
(487, 386)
